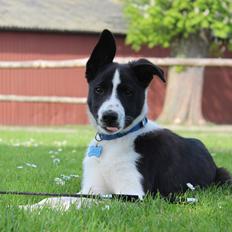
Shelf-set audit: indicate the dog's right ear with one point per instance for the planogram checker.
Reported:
(102, 54)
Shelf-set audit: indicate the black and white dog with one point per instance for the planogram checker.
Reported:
(131, 155)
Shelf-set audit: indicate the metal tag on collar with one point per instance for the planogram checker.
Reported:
(144, 122)
(95, 151)
(98, 137)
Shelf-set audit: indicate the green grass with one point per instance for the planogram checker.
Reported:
(213, 211)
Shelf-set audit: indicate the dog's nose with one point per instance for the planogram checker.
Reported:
(109, 117)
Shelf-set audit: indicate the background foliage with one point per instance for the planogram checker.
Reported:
(162, 22)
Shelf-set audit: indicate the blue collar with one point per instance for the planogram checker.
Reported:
(141, 124)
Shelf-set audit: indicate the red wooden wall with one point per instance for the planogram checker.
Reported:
(217, 95)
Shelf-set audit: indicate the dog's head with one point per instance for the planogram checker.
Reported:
(117, 92)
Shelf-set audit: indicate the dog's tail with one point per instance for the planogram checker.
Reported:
(223, 177)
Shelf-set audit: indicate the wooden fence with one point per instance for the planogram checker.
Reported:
(217, 62)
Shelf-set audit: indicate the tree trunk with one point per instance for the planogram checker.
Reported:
(184, 89)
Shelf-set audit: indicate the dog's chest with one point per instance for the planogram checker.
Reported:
(119, 154)
(116, 169)
(117, 162)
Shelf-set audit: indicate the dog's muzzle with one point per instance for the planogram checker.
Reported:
(110, 121)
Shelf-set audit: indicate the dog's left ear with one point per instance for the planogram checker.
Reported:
(102, 54)
(144, 71)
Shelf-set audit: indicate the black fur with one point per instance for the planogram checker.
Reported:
(223, 177)
(170, 161)
(102, 54)
(144, 71)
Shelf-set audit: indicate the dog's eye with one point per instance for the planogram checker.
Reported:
(99, 90)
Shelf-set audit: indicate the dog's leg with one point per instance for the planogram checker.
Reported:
(129, 184)
(93, 182)
(60, 203)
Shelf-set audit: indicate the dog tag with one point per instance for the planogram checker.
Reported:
(94, 151)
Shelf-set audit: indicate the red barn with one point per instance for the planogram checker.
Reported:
(42, 30)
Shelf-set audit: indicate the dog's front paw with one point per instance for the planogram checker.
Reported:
(60, 203)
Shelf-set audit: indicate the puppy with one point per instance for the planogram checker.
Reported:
(131, 155)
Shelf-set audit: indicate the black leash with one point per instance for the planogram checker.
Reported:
(123, 197)
(131, 198)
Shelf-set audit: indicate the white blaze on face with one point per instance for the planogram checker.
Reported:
(113, 103)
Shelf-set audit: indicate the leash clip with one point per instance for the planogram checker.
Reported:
(144, 122)
(98, 137)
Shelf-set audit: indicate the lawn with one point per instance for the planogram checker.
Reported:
(50, 160)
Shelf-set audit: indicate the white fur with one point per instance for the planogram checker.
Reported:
(113, 104)
(60, 203)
